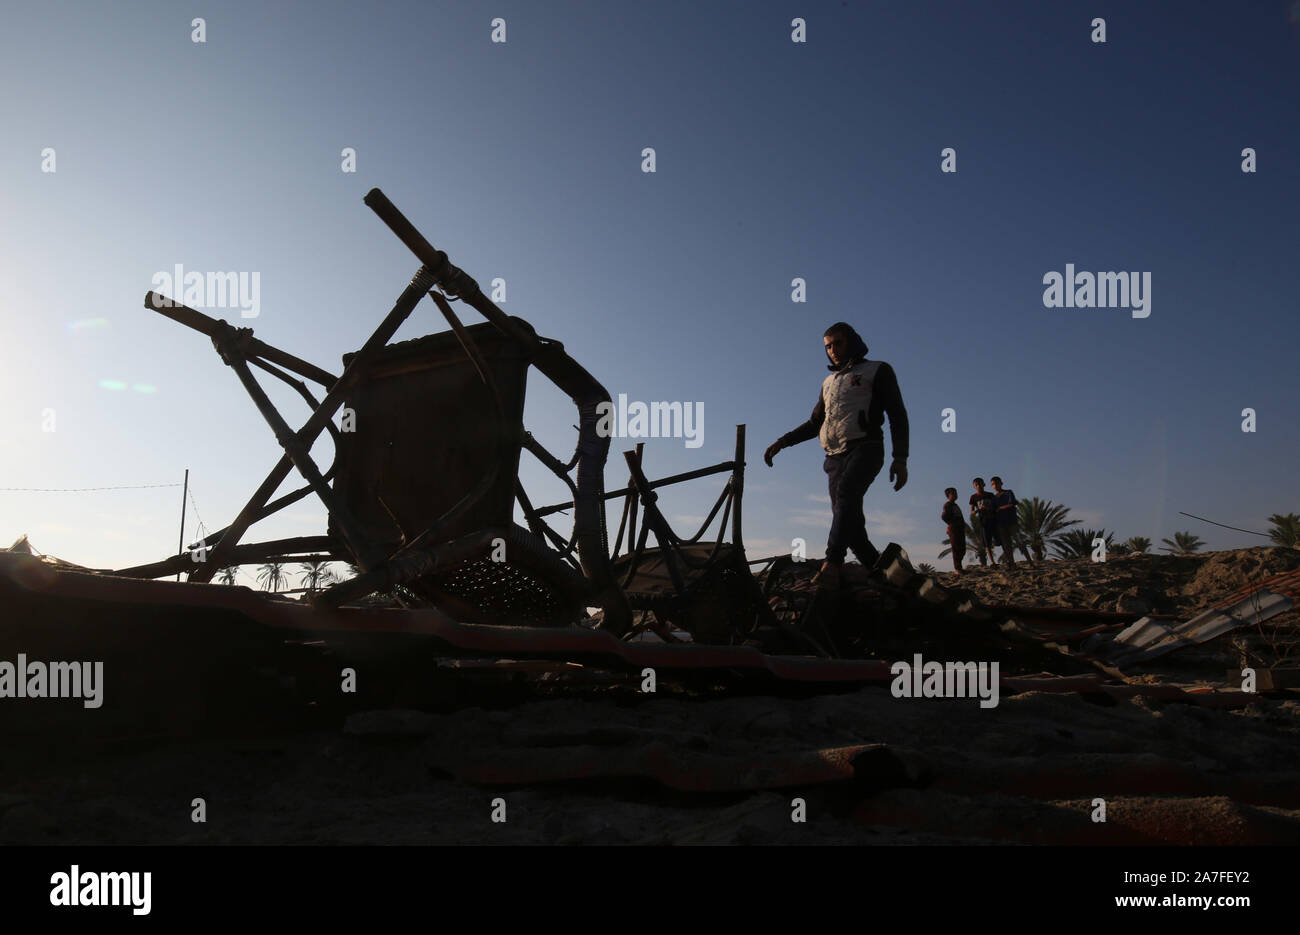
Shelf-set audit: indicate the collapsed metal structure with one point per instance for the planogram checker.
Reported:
(421, 498)
(422, 489)
(455, 604)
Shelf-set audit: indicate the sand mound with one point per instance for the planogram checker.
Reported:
(1225, 572)
(1153, 583)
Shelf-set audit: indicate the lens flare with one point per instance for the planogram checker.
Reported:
(86, 325)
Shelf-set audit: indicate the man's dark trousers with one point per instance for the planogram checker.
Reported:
(849, 475)
(1009, 534)
(989, 532)
(957, 540)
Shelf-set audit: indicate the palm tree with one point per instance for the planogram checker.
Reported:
(974, 542)
(1077, 543)
(227, 575)
(354, 571)
(1183, 543)
(1040, 522)
(314, 573)
(272, 575)
(925, 568)
(1286, 529)
(1139, 544)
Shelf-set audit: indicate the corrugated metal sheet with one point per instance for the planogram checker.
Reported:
(1147, 639)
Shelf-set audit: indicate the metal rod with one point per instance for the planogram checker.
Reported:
(675, 479)
(271, 508)
(451, 278)
(622, 524)
(205, 324)
(654, 520)
(541, 530)
(552, 463)
(634, 556)
(240, 555)
(737, 488)
(180, 546)
(300, 455)
(305, 394)
(722, 497)
(530, 515)
(633, 501)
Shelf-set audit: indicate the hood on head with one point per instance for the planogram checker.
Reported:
(857, 348)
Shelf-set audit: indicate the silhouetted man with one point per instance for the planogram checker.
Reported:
(848, 418)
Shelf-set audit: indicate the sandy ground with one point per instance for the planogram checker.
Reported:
(1028, 771)
(1150, 583)
(598, 762)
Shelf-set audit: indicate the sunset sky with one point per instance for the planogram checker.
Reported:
(774, 160)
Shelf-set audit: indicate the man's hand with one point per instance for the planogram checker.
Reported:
(772, 449)
(898, 469)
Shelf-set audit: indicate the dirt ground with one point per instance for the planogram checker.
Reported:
(599, 762)
(1147, 583)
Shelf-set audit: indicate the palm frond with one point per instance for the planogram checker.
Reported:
(1183, 543)
(1285, 529)
(1078, 543)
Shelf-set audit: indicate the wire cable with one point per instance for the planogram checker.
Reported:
(83, 489)
(1225, 525)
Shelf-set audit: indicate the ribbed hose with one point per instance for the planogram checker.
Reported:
(589, 525)
(589, 508)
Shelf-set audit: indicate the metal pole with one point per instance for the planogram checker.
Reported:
(737, 488)
(184, 493)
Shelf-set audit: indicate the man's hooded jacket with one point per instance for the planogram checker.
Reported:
(853, 403)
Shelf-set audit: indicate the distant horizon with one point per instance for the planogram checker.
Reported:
(1156, 549)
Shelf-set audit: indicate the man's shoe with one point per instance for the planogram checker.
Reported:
(828, 577)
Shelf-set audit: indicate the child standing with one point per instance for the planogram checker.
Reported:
(1005, 501)
(956, 527)
(983, 507)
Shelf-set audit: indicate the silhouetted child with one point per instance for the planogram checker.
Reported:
(1008, 530)
(956, 527)
(983, 507)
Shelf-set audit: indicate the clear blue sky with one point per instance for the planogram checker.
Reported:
(775, 160)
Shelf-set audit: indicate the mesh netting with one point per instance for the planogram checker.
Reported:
(502, 590)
